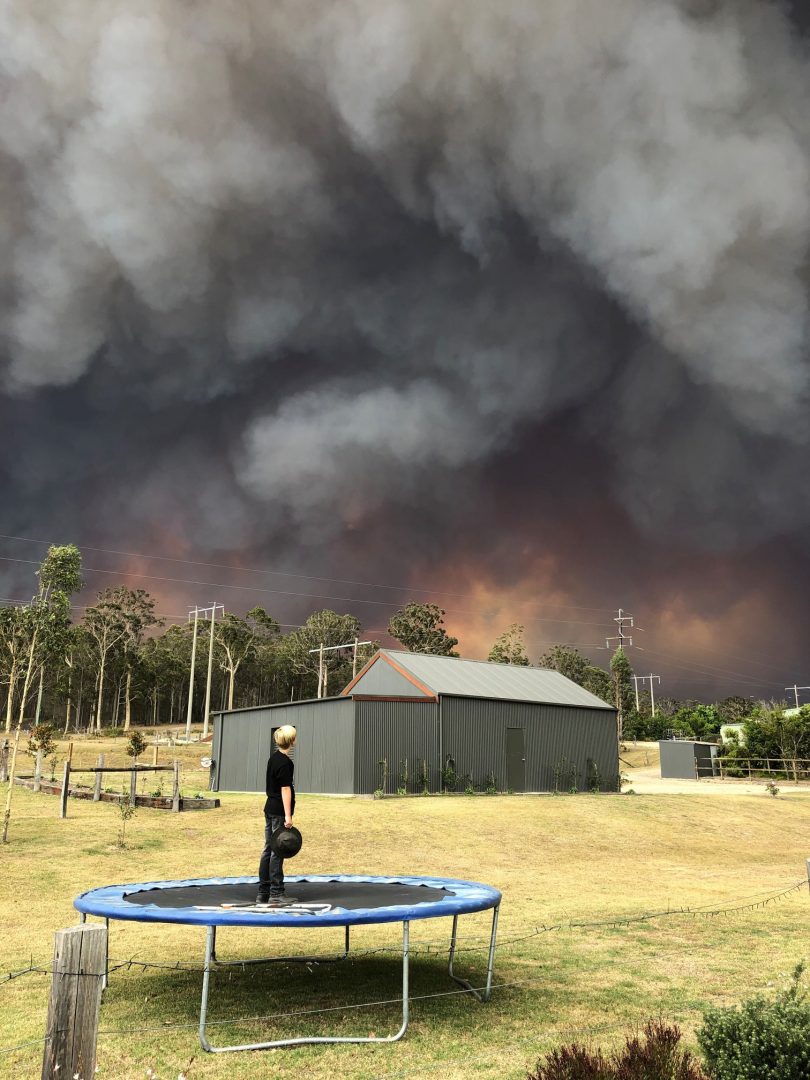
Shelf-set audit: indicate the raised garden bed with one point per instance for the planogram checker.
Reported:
(155, 802)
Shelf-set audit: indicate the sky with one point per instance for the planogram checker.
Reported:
(501, 306)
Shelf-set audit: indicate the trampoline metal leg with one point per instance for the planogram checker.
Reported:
(479, 995)
(206, 1045)
(278, 959)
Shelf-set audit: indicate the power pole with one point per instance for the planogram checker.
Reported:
(796, 690)
(196, 614)
(322, 672)
(636, 680)
(644, 678)
(213, 610)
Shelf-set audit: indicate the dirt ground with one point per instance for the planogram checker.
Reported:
(641, 765)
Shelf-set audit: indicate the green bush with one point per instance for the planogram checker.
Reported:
(762, 1039)
(655, 1055)
(136, 745)
(43, 737)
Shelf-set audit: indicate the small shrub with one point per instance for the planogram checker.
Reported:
(565, 775)
(449, 775)
(126, 810)
(654, 1055)
(771, 788)
(466, 784)
(402, 791)
(762, 1039)
(491, 784)
(593, 778)
(136, 745)
(383, 764)
(424, 777)
(43, 738)
(378, 793)
(403, 777)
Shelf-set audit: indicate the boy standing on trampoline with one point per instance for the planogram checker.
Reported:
(278, 811)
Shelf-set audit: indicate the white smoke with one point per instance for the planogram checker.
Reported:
(400, 233)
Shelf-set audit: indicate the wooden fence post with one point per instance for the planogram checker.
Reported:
(4, 761)
(176, 788)
(65, 791)
(133, 786)
(79, 957)
(155, 752)
(38, 772)
(99, 774)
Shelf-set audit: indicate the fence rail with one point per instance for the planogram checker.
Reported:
(784, 768)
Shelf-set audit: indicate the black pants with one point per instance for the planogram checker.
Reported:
(271, 866)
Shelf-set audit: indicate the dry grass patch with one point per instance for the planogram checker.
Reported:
(556, 859)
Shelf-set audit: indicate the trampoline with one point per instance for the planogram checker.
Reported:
(337, 900)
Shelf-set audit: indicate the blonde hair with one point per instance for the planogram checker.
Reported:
(284, 736)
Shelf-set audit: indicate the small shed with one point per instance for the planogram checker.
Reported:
(685, 759)
(408, 716)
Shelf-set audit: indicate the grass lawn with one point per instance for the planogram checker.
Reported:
(556, 860)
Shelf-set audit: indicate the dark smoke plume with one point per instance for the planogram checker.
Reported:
(279, 276)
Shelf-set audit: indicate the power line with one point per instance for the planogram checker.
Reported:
(275, 592)
(287, 573)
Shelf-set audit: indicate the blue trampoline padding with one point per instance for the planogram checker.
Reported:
(461, 897)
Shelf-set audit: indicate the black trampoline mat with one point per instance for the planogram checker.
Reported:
(351, 895)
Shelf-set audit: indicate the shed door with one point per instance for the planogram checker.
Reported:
(515, 759)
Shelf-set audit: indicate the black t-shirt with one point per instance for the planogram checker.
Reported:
(280, 771)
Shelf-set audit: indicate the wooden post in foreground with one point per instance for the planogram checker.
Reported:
(176, 788)
(38, 772)
(65, 791)
(99, 774)
(4, 761)
(155, 752)
(133, 786)
(78, 975)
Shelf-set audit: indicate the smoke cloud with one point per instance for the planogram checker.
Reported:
(278, 274)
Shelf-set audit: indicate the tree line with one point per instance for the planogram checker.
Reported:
(119, 664)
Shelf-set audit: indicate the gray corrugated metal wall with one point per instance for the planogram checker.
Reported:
(324, 752)
(575, 736)
(475, 736)
(395, 730)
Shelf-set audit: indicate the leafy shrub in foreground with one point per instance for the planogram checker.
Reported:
(654, 1056)
(762, 1039)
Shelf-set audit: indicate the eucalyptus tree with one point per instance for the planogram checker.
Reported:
(45, 622)
(420, 628)
(300, 649)
(106, 623)
(509, 647)
(240, 639)
(14, 642)
(138, 612)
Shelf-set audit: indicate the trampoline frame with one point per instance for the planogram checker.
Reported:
(211, 962)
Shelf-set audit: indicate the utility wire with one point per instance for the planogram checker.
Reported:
(288, 573)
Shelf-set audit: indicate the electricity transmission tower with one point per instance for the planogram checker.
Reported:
(624, 640)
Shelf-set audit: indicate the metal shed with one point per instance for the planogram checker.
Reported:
(529, 728)
(686, 759)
